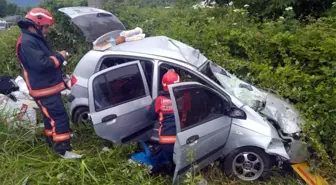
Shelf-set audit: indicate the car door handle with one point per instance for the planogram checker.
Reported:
(192, 139)
(109, 118)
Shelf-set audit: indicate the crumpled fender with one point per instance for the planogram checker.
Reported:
(242, 137)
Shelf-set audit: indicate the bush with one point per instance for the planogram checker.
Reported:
(275, 8)
(9, 64)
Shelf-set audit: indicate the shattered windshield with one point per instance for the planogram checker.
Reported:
(245, 92)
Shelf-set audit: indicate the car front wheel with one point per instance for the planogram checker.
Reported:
(248, 164)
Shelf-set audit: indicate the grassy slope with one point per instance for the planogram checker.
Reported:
(24, 154)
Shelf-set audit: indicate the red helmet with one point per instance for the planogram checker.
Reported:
(40, 16)
(169, 78)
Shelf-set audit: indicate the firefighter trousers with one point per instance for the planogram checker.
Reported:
(168, 149)
(56, 122)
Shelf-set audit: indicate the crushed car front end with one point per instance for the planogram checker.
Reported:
(280, 134)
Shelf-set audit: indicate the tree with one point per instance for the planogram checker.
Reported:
(3, 7)
(13, 9)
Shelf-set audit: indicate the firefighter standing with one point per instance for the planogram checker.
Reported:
(42, 72)
(162, 109)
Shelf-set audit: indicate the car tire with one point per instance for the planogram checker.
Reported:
(248, 164)
(81, 116)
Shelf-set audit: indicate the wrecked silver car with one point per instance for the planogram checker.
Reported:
(246, 128)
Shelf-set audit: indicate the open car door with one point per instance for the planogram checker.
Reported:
(93, 22)
(118, 101)
(202, 126)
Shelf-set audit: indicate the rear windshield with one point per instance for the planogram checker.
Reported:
(95, 25)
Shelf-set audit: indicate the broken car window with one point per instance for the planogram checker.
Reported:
(185, 75)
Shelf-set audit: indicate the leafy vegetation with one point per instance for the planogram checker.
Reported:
(2, 8)
(8, 8)
(275, 8)
(292, 58)
(8, 62)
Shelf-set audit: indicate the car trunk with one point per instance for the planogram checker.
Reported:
(93, 22)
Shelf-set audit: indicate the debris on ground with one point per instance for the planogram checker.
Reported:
(105, 149)
(304, 171)
(15, 112)
(25, 181)
(23, 89)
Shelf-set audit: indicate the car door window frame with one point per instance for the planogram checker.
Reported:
(196, 73)
(143, 78)
(132, 58)
(223, 98)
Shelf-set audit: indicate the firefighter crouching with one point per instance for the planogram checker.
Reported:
(42, 72)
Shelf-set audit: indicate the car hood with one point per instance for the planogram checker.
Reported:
(286, 115)
(267, 104)
(93, 22)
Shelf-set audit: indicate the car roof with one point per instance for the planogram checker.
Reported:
(164, 47)
(158, 47)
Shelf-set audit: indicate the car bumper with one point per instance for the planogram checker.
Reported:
(297, 151)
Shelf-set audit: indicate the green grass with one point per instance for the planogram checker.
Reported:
(24, 154)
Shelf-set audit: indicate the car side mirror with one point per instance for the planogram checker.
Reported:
(237, 113)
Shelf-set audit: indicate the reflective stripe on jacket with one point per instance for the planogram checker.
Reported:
(40, 65)
(162, 109)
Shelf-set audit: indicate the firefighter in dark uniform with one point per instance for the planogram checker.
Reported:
(162, 109)
(42, 72)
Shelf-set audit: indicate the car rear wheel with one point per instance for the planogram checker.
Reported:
(81, 116)
(248, 164)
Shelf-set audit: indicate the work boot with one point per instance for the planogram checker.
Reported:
(62, 146)
(65, 150)
(71, 155)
